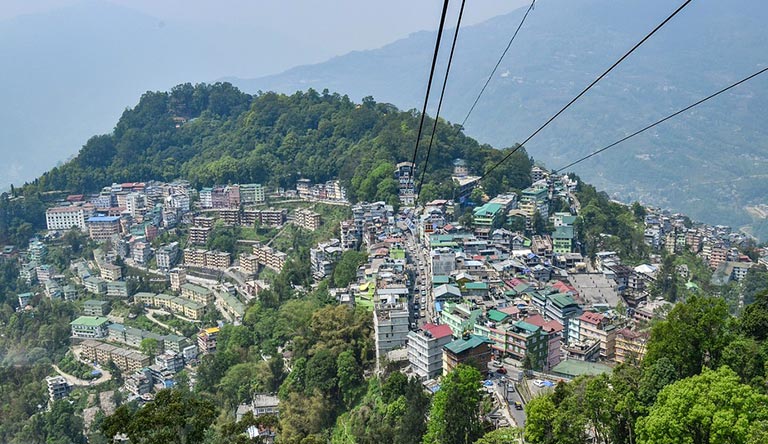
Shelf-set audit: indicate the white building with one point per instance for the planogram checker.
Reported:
(65, 218)
(390, 324)
(425, 349)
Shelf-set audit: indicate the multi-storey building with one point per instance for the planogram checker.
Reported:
(630, 345)
(199, 235)
(595, 326)
(95, 285)
(269, 257)
(111, 272)
(95, 308)
(425, 350)
(193, 292)
(66, 218)
(178, 278)
(323, 258)
(117, 289)
(469, 349)
(206, 340)
(252, 193)
(126, 360)
(141, 252)
(307, 219)
(249, 263)
(86, 327)
(104, 228)
(204, 221)
(230, 216)
(404, 172)
(58, 387)
(272, 217)
(390, 326)
(167, 255)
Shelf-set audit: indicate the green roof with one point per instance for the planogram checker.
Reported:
(526, 326)
(196, 288)
(561, 300)
(440, 279)
(496, 315)
(90, 321)
(461, 345)
(573, 368)
(488, 209)
(563, 233)
(476, 285)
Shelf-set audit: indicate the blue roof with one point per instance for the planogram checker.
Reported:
(103, 218)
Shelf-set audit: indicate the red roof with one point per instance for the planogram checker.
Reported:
(438, 331)
(512, 311)
(592, 317)
(514, 282)
(553, 326)
(448, 227)
(536, 320)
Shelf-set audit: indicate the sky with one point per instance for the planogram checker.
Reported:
(319, 29)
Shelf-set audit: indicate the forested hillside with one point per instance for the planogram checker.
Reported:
(273, 139)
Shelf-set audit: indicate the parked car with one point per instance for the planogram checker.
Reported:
(501, 371)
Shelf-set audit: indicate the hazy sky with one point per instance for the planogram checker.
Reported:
(328, 28)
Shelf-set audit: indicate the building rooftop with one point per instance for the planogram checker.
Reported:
(571, 368)
(438, 331)
(103, 219)
(91, 321)
(461, 345)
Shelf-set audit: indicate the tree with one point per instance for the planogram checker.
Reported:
(149, 346)
(754, 320)
(350, 377)
(454, 417)
(540, 417)
(693, 335)
(506, 435)
(175, 416)
(345, 271)
(712, 407)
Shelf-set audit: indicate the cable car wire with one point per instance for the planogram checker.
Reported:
(594, 82)
(658, 122)
(440, 102)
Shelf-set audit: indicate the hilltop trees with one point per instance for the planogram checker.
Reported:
(454, 417)
(712, 407)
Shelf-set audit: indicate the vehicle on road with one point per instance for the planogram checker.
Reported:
(518, 406)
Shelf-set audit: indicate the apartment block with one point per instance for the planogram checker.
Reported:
(66, 218)
(630, 345)
(199, 235)
(103, 228)
(167, 255)
(111, 272)
(269, 257)
(206, 340)
(198, 294)
(307, 219)
(425, 350)
(58, 387)
(86, 327)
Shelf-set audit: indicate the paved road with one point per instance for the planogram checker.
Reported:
(105, 376)
(151, 317)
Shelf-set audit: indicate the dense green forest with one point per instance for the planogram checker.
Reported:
(271, 139)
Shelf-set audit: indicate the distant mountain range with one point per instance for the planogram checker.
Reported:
(69, 73)
(709, 163)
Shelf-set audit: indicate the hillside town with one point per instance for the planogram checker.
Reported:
(447, 282)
